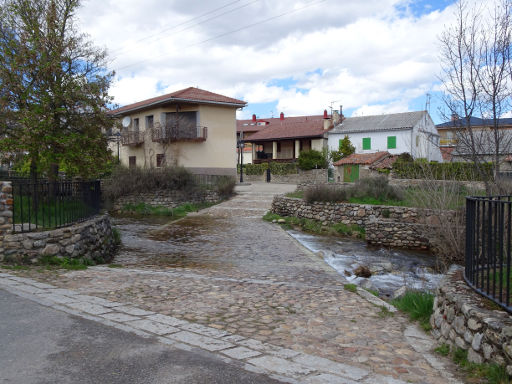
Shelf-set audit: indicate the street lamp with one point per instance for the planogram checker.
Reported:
(241, 145)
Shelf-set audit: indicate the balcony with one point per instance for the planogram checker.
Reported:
(175, 133)
(132, 138)
(447, 142)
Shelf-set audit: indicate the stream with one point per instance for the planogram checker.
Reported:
(391, 268)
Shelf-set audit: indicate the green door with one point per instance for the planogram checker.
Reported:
(350, 172)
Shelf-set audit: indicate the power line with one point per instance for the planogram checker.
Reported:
(189, 21)
(234, 31)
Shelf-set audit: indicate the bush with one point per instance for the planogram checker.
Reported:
(312, 159)
(225, 186)
(421, 169)
(419, 306)
(125, 181)
(275, 168)
(325, 193)
(376, 187)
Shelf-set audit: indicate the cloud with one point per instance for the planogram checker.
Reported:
(369, 55)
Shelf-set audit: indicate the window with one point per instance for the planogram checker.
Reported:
(132, 161)
(149, 122)
(136, 125)
(160, 160)
(391, 142)
(417, 140)
(367, 143)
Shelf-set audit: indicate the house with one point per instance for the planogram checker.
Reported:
(411, 132)
(244, 130)
(192, 128)
(360, 165)
(283, 138)
(457, 145)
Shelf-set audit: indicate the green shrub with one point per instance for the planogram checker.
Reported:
(377, 187)
(125, 181)
(350, 287)
(421, 169)
(282, 168)
(312, 159)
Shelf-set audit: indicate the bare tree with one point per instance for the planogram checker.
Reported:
(475, 57)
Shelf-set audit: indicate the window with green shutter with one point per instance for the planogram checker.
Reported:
(391, 142)
(367, 143)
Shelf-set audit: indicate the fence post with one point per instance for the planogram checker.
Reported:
(6, 211)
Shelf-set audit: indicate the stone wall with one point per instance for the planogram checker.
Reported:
(313, 176)
(461, 319)
(167, 198)
(91, 239)
(384, 225)
(471, 185)
(390, 233)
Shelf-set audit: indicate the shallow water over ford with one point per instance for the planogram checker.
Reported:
(391, 268)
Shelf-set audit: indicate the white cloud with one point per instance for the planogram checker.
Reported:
(370, 54)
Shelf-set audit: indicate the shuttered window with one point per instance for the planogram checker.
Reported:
(391, 142)
(367, 143)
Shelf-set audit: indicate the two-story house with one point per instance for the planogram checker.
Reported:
(411, 132)
(192, 128)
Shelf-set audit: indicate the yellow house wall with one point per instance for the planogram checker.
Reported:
(215, 155)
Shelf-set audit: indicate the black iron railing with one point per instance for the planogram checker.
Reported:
(488, 247)
(46, 205)
(132, 137)
(175, 132)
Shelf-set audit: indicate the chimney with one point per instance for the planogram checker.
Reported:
(327, 121)
(341, 113)
(254, 117)
(281, 116)
(336, 118)
(455, 117)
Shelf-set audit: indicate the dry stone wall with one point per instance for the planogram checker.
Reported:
(384, 225)
(461, 320)
(166, 198)
(313, 176)
(92, 239)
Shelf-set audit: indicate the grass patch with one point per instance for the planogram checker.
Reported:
(486, 373)
(350, 287)
(419, 306)
(115, 266)
(443, 349)
(65, 263)
(316, 227)
(15, 267)
(296, 194)
(375, 201)
(176, 213)
(116, 235)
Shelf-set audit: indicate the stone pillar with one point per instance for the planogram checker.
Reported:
(253, 145)
(297, 148)
(274, 150)
(6, 212)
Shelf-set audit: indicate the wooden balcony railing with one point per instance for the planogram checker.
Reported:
(173, 133)
(132, 137)
(447, 142)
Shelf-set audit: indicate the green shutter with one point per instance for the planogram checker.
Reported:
(339, 144)
(367, 143)
(391, 142)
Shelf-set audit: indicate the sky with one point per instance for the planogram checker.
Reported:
(298, 57)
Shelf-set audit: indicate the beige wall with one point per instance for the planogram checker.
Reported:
(214, 155)
(317, 144)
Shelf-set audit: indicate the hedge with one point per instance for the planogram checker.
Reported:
(439, 171)
(275, 168)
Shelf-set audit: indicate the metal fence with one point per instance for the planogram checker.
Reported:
(47, 205)
(488, 247)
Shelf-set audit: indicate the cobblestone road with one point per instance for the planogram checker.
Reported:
(225, 269)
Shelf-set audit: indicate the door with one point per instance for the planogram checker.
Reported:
(350, 172)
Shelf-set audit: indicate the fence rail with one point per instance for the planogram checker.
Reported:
(488, 247)
(48, 205)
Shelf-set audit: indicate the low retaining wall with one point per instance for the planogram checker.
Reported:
(384, 225)
(167, 198)
(461, 319)
(313, 176)
(91, 239)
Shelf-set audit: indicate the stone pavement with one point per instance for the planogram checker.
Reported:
(225, 281)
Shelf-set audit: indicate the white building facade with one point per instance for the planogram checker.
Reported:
(411, 132)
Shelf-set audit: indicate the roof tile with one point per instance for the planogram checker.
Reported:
(363, 158)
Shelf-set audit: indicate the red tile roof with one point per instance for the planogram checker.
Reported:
(288, 128)
(190, 95)
(385, 163)
(363, 158)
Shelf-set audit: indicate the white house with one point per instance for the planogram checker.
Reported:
(411, 132)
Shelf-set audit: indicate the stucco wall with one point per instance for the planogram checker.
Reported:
(215, 155)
